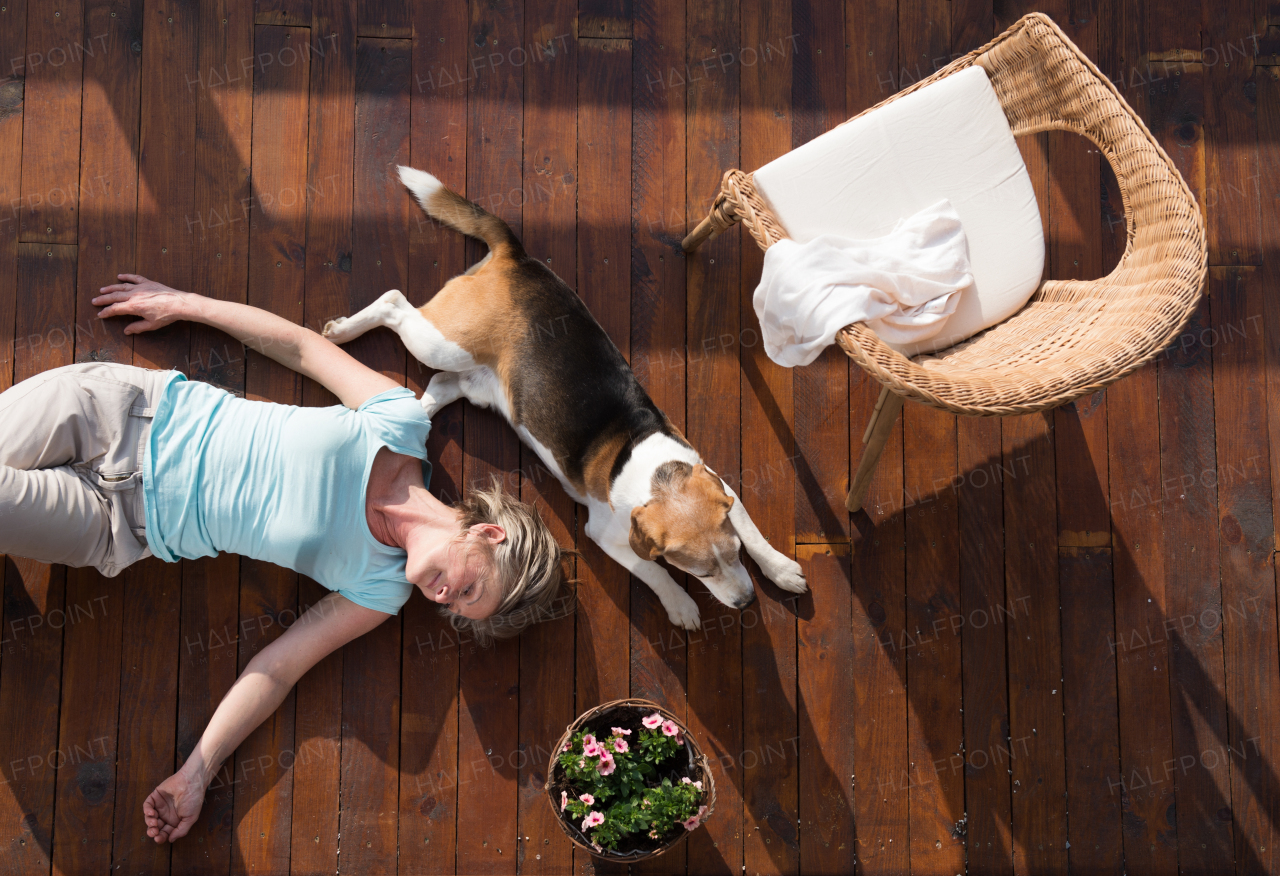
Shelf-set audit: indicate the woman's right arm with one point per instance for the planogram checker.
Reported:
(174, 805)
(296, 347)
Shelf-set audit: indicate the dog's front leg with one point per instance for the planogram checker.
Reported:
(444, 389)
(681, 608)
(777, 567)
(419, 335)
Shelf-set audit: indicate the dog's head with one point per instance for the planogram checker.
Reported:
(687, 523)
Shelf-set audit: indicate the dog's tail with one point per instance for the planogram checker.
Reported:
(450, 208)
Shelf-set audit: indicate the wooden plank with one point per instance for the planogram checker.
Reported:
(550, 171)
(13, 42)
(767, 490)
(1176, 116)
(30, 673)
(488, 678)
(1246, 542)
(604, 19)
(108, 174)
(219, 232)
(828, 836)
(654, 344)
(988, 745)
(822, 387)
(384, 19)
(163, 251)
(1269, 131)
(1150, 837)
(1035, 652)
(714, 696)
(371, 698)
(878, 567)
(317, 759)
(1089, 701)
(85, 799)
(1189, 481)
(87, 722)
(429, 666)
(877, 537)
(53, 70)
(330, 151)
(606, 627)
(285, 12)
(277, 262)
(1232, 196)
(935, 733)
(1075, 251)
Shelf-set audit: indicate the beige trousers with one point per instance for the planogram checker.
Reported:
(72, 445)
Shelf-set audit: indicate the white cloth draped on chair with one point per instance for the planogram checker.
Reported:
(904, 285)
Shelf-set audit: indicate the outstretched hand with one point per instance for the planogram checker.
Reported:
(173, 807)
(155, 304)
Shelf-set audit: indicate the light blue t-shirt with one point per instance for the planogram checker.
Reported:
(279, 483)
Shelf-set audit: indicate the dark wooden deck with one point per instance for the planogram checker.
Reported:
(1051, 646)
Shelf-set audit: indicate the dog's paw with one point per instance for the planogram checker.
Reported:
(683, 611)
(788, 576)
(333, 330)
(442, 391)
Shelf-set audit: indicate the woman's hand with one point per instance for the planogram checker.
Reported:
(173, 807)
(154, 303)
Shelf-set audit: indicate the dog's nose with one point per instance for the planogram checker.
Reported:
(744, 603)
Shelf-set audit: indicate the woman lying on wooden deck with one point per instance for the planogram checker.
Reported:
(103, 464)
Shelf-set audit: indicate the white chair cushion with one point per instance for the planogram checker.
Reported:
(948, 140)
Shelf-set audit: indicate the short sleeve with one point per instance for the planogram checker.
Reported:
(384, 596)
(397, 419)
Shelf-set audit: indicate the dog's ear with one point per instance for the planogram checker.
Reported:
(645, 539)
(709, 482)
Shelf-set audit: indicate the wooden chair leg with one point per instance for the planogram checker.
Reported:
(882, 420)
(700, 235)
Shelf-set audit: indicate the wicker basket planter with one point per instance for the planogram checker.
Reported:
(628, 713)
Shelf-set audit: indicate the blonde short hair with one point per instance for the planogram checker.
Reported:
(527, 563)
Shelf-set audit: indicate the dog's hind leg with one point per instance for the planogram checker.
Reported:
(419, 335)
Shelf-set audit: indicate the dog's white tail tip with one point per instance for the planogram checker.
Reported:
(422, 184)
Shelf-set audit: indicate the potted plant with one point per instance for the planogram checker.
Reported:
(628, 782)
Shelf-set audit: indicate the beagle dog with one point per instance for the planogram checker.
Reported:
(574, 400)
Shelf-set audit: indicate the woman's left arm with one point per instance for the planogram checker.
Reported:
(294, 346)
(172, 808)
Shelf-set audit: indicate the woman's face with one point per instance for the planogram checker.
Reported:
(457, 574)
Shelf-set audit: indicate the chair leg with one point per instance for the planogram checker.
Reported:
(720, 217)
(882, 420)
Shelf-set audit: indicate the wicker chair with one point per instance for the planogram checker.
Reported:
(1074, 336)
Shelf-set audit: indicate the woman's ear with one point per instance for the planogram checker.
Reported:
(490, 532)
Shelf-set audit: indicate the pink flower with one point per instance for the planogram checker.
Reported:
(618, 731)
(564, 800)
(594, 818)
(588, 799)
(607, 764)
(669, 728)
(582, 764)
(654, 834)
(567, 745)
(592, 750)
(652, 721)
(620, 746)
(688, 781)
(695, 819)
(588, 740)
(596, 846)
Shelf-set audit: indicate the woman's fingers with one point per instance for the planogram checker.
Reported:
(140, 326)
(184, 826)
